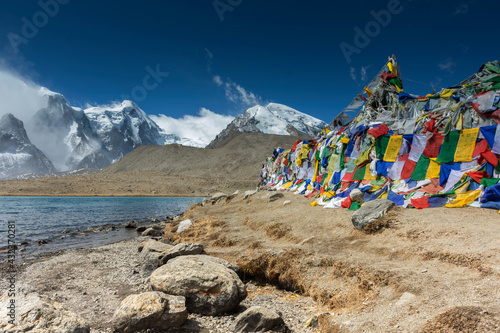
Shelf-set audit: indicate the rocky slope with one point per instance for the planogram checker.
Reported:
(17, 153)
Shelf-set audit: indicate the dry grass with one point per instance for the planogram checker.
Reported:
(463, 319)
(278, 230)
(461, 260)
(292, 270)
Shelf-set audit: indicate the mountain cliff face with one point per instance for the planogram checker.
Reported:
(93, 138)
(17, 153)
(271, 119)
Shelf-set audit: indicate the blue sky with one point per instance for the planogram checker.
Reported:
(96, 52)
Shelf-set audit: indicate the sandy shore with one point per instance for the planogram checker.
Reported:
(434, 270)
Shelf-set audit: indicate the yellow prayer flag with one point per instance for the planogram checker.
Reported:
(316, 172)
(391, 153)
(368, 92)
(391, 67)
(345, 140)
(466, 145)
(287, 185)
(433, 170)
(368, 174)
(447, 92)
(464, 199)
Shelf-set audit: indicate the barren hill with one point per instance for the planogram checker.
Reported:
(241, 157)
(171, 170)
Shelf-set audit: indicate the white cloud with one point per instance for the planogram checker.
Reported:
(364, 73)
(447, 65)
(19, 96)
(218, 80)
(197, 130)
(239, 95)
(353, 74)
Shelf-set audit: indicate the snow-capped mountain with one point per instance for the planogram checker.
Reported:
(17, 153)
(74, 138)
(272, 119)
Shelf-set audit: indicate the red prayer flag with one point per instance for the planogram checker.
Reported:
(379, 130)
(346, 203)
(421, 203)
(408, 169)
(433, 146)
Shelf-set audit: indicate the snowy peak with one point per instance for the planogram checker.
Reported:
(273, 118)
(17, 153)
(13, 126)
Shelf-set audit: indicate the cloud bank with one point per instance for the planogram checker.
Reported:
(19, 96)
(196, 131)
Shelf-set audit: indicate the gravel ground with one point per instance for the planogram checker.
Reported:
(92, 283)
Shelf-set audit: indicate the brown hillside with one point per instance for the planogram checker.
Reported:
(242, 158)
(171, 170)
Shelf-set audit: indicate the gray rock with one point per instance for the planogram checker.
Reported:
(184, 225)
(370, 212)
(141, 229)
(217, 197)
(286, 202)
(209, 287)
(154, 246)
(356, 196)
(248, 194)
(225, 263)
(275, 196)
(148, 263)
(151, 232)
(131, 225)
(182, 249)
(153, 310)
(259, 319)
(36, 315)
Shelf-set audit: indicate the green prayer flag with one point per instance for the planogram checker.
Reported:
(355, 206)
(360, 173)
(381, 146)
(489, 181)
(449, 147)
(421, 168)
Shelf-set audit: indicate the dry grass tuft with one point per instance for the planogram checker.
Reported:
(224, 242)
(203, 231)
(385, 222)
(462, 319)
(461, 260)
(278, 230)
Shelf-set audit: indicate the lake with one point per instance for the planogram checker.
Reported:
(45, 218)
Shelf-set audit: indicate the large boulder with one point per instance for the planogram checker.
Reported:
(154, 246)
(210, 288)
(36, 315)
(182, 249)
(259, 319)
(153, 309)
(371, 212)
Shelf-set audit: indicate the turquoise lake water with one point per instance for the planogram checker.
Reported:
(45, 219)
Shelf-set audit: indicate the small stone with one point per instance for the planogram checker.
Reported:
(286, 202)
(259, 319)
(141, 229)
(184, 225)
(131, 225)
(275, 196)
(356, 195)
